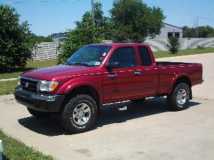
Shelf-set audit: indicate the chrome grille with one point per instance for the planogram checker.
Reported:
(29, 84)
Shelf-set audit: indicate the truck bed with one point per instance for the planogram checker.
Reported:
(165, 64)
(172, 70)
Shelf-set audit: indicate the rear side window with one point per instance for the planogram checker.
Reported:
(145, 56)
(125, 57)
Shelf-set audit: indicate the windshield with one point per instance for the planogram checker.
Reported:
(89, 56)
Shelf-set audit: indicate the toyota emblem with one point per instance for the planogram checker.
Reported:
(26, 85)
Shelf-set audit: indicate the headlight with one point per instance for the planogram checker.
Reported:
(48, 86)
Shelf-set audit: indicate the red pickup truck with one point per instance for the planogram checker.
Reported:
(99, 74)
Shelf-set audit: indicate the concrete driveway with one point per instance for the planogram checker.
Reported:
(144, 131)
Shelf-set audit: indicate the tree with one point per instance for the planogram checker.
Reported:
(130, 20)
(173, 45)
(198, 32)
(84, 33)
(134, 20)
(98, 15)
(189, 32)
(205, 31)
(14, 39)
(102, 24)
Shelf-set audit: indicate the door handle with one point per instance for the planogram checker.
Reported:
(112, 75)
(138, 73)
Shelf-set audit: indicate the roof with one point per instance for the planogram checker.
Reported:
(118, 44)
(172, 25)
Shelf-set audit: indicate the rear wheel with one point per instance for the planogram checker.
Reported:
(38, 114)
(79, 114)
(179, 98)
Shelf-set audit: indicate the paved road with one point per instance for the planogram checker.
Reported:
(144, 131)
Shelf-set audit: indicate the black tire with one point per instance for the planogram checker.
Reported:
(69, 122)
(173, 100)
(38, 114)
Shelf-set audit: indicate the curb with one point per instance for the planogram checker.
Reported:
(10, 79)
(185, 56)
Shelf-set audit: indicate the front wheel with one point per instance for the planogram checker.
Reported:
(179, 98)
(79, 114)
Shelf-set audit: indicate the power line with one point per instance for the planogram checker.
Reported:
(199, 19)
(40, 1)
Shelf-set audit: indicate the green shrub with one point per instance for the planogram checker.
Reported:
(200, 47)
(173, 45)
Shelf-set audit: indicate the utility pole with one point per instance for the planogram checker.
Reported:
(197, 25)
(93, 3)
(92, 11)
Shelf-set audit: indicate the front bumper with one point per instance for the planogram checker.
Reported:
(39, 102)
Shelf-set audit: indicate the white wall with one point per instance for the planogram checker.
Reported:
(185, 43)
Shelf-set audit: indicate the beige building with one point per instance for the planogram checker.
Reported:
(169, 30)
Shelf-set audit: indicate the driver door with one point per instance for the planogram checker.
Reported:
(123, 74)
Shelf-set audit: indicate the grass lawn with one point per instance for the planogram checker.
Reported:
(7, 87)
(162, 54)
(30, 65)
(14, 150)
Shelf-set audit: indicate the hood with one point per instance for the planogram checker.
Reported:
(57, 72)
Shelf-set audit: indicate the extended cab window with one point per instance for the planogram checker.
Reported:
(123, 57)
(145, 56)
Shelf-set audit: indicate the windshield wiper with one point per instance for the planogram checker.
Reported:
(79, 64)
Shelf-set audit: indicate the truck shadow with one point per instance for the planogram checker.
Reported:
(109, 115)
(151, 107)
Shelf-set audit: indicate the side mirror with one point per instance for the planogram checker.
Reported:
(112, 65)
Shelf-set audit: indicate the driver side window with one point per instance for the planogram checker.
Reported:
(123, 57)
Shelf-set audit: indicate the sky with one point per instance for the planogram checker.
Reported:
(52, 16)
